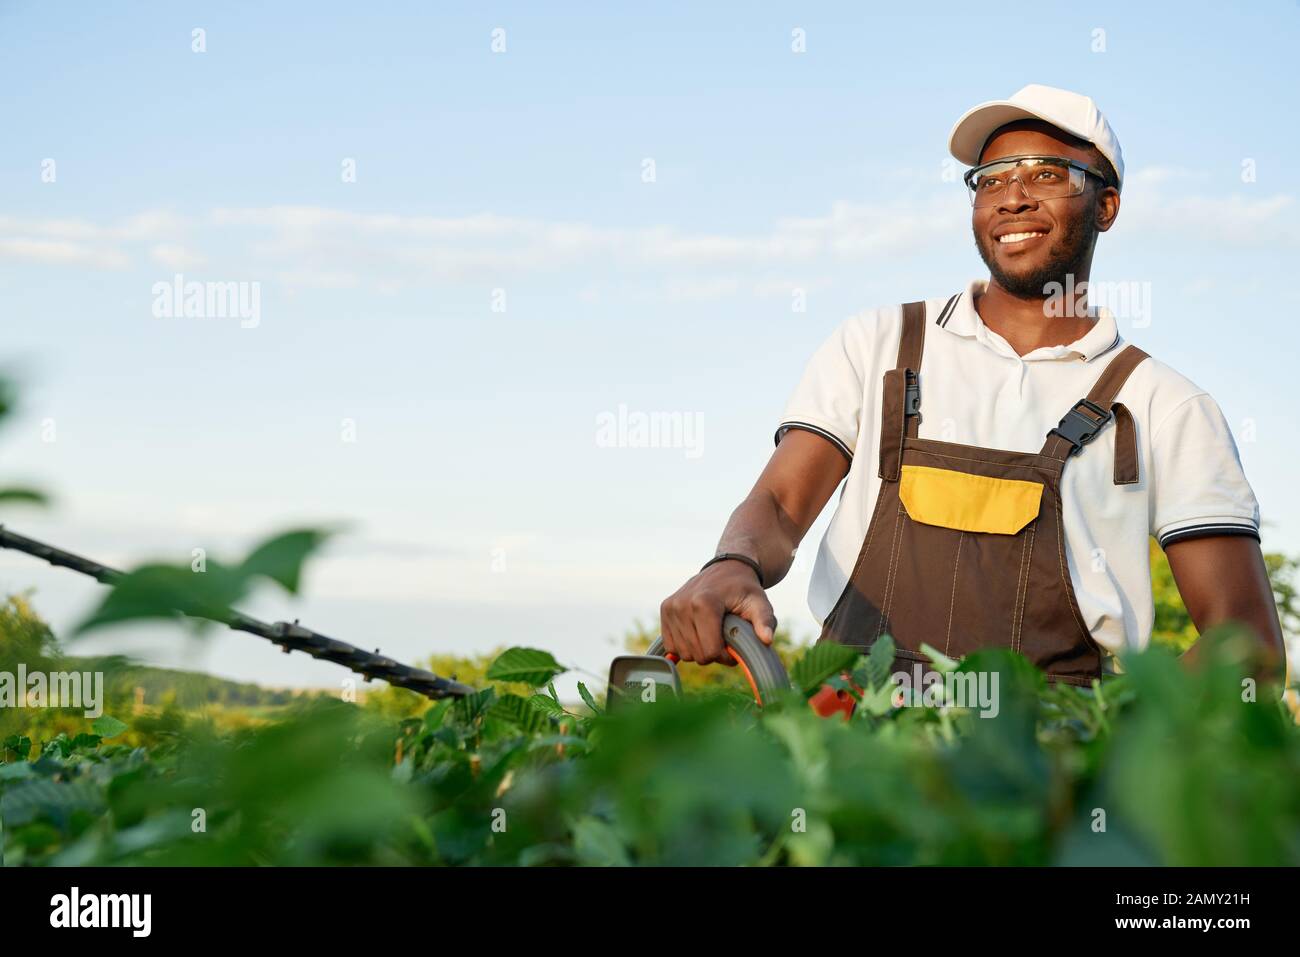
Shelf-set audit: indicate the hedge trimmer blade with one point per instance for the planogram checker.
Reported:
(289, 636)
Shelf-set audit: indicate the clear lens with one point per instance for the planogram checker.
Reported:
(1039, 177)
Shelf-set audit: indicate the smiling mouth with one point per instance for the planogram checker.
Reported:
(1012, 239)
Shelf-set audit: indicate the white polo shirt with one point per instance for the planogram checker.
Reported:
(975, 390)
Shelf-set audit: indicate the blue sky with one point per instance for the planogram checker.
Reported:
(482, 509)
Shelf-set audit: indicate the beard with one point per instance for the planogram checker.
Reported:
(1064, 258)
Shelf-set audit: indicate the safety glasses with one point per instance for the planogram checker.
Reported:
(1041, 177)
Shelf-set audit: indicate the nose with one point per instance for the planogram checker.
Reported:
(1018, 201)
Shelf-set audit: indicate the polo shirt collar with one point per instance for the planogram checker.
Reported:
(958, 316)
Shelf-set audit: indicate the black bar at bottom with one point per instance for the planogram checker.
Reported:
(851, 906)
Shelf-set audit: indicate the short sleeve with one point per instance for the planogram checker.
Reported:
(1199, 487)
(828, 398)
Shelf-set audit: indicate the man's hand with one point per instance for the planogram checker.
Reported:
(690, 620)
(767, 526)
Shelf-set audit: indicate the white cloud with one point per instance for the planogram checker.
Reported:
(318, 279)
(79, 242)
(1149, 176)
(315, 247)
(61, 252)
(488, 247)
(150, 225)
(705, 290)
(1231, 219)
(175, 256)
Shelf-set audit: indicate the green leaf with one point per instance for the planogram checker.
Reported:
(569, 741)
(8, 397)
(38, 798)
(587, 698)
(471, 706)
(16, 771)
(163, 591)
(597, 844)
(108, 727)
(526, 665)
(880, 660)
(942, 662)
(822, 660)
(520, 712)
(547, 705)
(433, 718)
(879, 701)
(281, 558)
(29, 496)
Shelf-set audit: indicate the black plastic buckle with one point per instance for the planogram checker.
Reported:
(912, 395)
(1078, 429)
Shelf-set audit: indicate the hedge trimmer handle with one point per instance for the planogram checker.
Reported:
(758, 661)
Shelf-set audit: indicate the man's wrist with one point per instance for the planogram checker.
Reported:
(736, 557)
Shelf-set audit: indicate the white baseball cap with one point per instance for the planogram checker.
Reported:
(1068, 111)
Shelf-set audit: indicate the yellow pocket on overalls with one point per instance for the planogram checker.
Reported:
(970, 503)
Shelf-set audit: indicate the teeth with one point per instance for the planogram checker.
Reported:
(1017, 237)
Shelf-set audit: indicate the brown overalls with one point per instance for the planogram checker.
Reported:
(965, 549)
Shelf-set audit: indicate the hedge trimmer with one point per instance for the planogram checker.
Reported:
(289, 636)
(629, 675)
(632, 676)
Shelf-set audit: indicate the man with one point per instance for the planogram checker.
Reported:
(1007, 455)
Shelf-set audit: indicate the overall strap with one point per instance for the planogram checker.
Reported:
(900, 408)
(1089, 415)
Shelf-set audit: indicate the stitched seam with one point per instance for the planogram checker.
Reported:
(928, 446)
(862, 556)
(1070, 679)
(1002, 465)
(1059, 450)
(895, 549)
(1060, 555)
(871, 531)
(952, 602)
(1022, 590)
(889, 579)
(889, 440)
(1118, 409)
(829, 623)
(895, 462)
(1015, 608)
(1065, 572)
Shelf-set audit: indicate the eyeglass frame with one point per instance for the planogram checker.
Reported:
(1063, 160)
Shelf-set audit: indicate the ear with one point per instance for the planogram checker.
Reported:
(1106, 208)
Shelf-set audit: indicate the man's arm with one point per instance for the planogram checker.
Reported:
(1223, 578)
(767, 526)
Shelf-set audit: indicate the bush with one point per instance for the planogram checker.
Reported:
(1164, 765)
